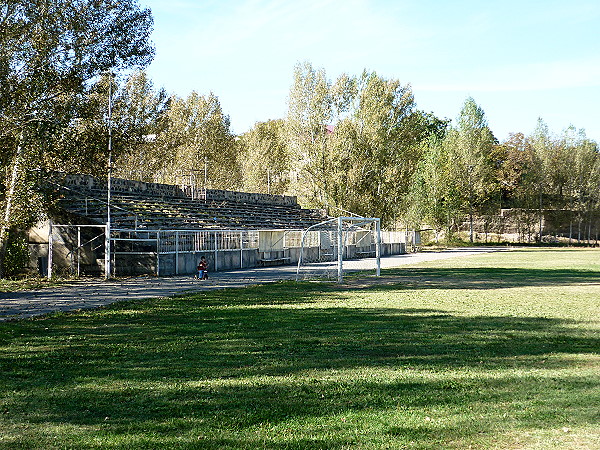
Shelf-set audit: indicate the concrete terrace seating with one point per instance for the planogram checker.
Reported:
(156, 206)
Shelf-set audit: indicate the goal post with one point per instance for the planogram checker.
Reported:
(327, 248)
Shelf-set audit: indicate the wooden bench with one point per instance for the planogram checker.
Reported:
(274, 261)
(365, 254)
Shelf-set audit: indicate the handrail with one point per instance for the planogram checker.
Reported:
(134, 214)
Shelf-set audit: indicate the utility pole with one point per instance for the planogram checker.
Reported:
(471, 204)
(107, 245)
(205, 173)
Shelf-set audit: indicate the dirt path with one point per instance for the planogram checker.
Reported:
(93, 294)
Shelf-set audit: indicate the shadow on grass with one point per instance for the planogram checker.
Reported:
(181, 367)
(209, 370)
(242, 342)
(474, 278)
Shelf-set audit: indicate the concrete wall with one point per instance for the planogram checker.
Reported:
(230, 259)
(167, 190)
(225, 260)
(142, 258)
(123, 186)
(65, 255)
(250, 197)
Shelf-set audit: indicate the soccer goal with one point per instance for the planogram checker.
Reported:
(330, 248)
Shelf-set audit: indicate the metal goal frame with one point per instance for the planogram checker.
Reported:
(343, 225)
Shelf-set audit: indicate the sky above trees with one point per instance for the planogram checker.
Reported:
(520, 60)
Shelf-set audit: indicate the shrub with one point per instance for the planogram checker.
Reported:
(17, 255)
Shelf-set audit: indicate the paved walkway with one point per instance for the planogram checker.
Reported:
(93, 294)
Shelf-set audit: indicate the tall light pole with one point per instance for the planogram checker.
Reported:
(107, 258)
(470, 168)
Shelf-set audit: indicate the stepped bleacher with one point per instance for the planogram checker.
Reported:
(136, 204)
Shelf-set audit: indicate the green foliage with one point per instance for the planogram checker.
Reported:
(382, 155)
(198, 138)
(518, 172)
(430, 197)
(355, 143)
(264, 158)
(17, 255)
(471, 145)
(457, 174)
(140, 117)
(51, 49)
(309, 112)
(49, 54)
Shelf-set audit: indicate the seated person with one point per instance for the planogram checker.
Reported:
(202, 269)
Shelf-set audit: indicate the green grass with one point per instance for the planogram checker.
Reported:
(494, 351)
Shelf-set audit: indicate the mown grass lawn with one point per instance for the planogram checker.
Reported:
(495, 351)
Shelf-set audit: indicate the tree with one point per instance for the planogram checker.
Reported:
(140, 116)
(49, 52)
(582, 177)
(355, 143)
(471, 144)
(551, 173)
(264, 159)
(518, 172)
(199, 144)
(310, 111)
(430, 198)
(376, 148)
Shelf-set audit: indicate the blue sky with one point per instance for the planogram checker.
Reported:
(519, 60)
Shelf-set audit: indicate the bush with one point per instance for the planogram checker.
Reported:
(17, 255)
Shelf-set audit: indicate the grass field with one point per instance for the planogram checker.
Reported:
(495, 351)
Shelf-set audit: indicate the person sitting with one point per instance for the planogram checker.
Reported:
(202, 269)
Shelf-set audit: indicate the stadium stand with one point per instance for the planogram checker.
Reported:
(137, 204)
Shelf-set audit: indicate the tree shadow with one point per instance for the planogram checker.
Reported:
(191, 359)
(473, 278)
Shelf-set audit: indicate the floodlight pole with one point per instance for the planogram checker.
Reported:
(340, 241)
(50, 249)
(107, 258)
(378, 246)
(470, 169)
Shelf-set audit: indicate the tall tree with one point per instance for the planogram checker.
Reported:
(518, 172)
(471, 146)
(430, 198)
(551, 177)
(582, 177)
(199, 144)
(140, 117)
(376, 147)
(49, 51)
(355, 142)
(310, 111)
(265, 160)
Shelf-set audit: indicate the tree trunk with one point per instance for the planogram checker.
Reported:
(471, 227)
(8, 211)
(571, 221)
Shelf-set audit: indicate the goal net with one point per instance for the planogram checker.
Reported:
(335, 246)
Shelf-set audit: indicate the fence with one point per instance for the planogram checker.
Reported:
(81, 249)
